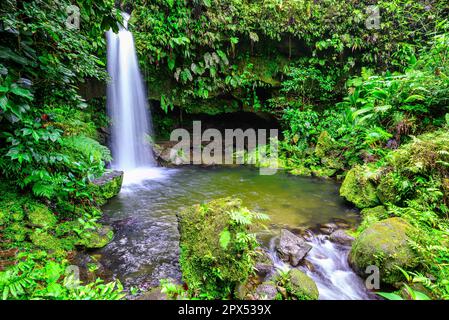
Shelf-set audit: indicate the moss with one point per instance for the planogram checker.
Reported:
(387, 190)
(40, 216)
(358, 189)
(301, 286)
(324, 144)
(213, 262)
(329, 156)
(323, 172)
(372, 215)
(386, 245)
(47, 241)
(16, 232)
(96, 239)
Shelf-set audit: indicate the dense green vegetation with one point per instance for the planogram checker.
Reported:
(366, 106)
(346, 95)
(48, 143)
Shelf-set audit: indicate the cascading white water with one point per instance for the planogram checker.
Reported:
(127, 103)
(331, 272)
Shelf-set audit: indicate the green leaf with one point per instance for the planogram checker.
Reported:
(380, 94)
(389, 295)
(3, 102)
(225, 238)
(413, 98)
(171, 62)
(18, 91)
(421, 296)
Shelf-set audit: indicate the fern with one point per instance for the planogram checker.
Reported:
(86, 147)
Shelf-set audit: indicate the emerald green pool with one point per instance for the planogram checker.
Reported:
(145, 248)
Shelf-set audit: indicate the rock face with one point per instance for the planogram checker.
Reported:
(292, 248)
(302, 287)
(107, 186)
(341, 237)
(385, 244)
(357, 189)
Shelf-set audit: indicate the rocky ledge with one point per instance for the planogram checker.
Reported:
(107, 186)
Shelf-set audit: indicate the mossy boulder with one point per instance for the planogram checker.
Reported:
(107, 186)
(212, 260)
(97, 238)
(386, 245)
(41, 216)
(301, 286)
(372, 215)
(358, 189)
(387, 190)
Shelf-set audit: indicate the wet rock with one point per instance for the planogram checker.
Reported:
(266, 291)
(328, 228)
(309, 265)
(292, 248)
(342, 224)
(386, 245)
(341, 237)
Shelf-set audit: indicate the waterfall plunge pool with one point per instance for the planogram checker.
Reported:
(145, 248)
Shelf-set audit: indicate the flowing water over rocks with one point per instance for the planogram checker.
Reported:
(146, 245)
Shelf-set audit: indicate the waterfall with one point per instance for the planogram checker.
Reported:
(127, 103)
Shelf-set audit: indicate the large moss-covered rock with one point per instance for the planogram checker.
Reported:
(212, 260)
(386, 245)
(107, 186)
(41, 216)
(358, 189)
(301, 286)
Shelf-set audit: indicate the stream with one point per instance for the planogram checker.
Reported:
(145, 248)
